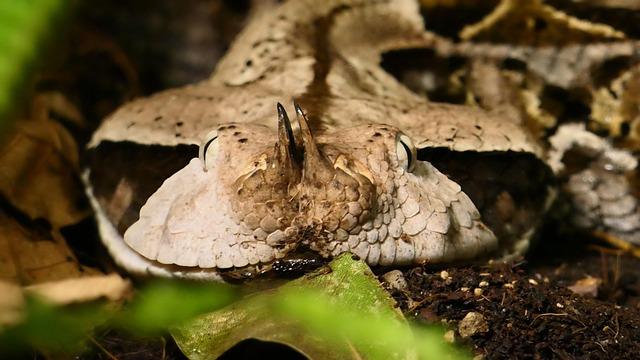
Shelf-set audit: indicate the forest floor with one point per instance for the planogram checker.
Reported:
(566, 300)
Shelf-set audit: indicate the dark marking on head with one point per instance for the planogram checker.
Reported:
(142, 167)
(179, 123)
(158, 118)
(243, 140)
(377, 134)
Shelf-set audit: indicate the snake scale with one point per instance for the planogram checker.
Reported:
(219, 176)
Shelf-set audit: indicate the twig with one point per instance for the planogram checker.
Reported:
(102, 348)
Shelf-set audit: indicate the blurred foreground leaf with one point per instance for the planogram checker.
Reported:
(169, 303)
(49, 328)
(157, 306)
(338, 314)
(23, 27)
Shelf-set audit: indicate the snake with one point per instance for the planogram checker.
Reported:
(300, 142)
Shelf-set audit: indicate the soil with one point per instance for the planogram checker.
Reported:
(530, 311)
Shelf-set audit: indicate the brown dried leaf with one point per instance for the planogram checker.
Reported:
(29, 254)
(112, 287)
(39, 162)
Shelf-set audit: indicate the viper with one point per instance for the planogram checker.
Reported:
(219, 176)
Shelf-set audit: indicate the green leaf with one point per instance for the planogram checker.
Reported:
(46, 326)
(24, 27)
(338, 312)
(156, 307)
(166, 303)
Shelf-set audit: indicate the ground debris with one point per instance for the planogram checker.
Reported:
(395, 280)
(473, 323)
(513, 316)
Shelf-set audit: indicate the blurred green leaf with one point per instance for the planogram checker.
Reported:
(52, 328)
(156, 307)
(336, 314)
(168, 303)
(339, 312)
(24, 25)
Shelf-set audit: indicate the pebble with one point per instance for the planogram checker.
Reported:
(444, 275)
(483, 284)
(450, 336)
(395, 279)
(478, 292)
(473, 323)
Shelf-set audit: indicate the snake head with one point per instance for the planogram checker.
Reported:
(256, 195)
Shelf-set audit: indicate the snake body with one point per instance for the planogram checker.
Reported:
(216, 176)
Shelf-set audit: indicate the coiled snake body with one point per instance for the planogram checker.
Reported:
(365, 165)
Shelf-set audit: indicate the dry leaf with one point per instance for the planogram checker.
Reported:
(39, 167)
(29, 254)
(112, 287)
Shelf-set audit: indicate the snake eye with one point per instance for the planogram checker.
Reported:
(406, 152)
(208, 147)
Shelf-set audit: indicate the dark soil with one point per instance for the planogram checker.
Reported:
(529, 309)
